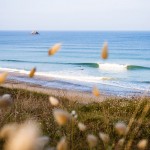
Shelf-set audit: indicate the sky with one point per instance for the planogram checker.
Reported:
(75, 15)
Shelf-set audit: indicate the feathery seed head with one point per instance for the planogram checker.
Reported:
(104, 53)
(32, 72)
(142, 144)
(8, 130)
(121, 142)
(121, 128)
(5, 101)
(104, 137)
(62, 145)
(3, 77)
(92, 140)
(81, 126)
(54, 101)
(54, 49)
(73, 112)
(24, 138)
(61, 116)
(95, 91)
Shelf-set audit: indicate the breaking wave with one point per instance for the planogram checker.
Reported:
(102, 66)
(109, 66)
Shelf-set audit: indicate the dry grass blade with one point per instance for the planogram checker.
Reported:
(3, 77)
(134, 116)
(54, 49)
(96, 91)
(32, 72)
(139, 122)
(104, 53)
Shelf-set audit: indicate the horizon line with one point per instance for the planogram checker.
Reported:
(42, 30)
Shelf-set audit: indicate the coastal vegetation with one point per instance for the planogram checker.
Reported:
(117, 123)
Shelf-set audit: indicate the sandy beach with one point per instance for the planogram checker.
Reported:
(73, 95)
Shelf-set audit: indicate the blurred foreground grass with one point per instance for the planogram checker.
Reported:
(98, 117)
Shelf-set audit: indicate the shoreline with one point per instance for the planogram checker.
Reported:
(54, 86)
(76, 96)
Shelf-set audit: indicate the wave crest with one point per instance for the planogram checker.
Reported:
(102, 66)
(113, 66)
(121, 67)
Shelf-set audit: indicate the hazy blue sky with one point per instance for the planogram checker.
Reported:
(75, 14)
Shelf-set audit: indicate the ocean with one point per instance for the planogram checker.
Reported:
(78, 65)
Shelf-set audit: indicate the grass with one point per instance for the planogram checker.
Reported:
(96, 116)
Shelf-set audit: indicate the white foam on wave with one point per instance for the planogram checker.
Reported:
(131, 86)
(61, 75)
(112, 67)
(15, 70)
(92, 79)
(81, 78)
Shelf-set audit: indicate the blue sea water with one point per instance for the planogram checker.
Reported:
(78, 65)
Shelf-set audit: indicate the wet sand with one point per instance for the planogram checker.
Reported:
(80, 97)
(85, 97)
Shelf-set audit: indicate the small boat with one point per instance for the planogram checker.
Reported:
(34, 32)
